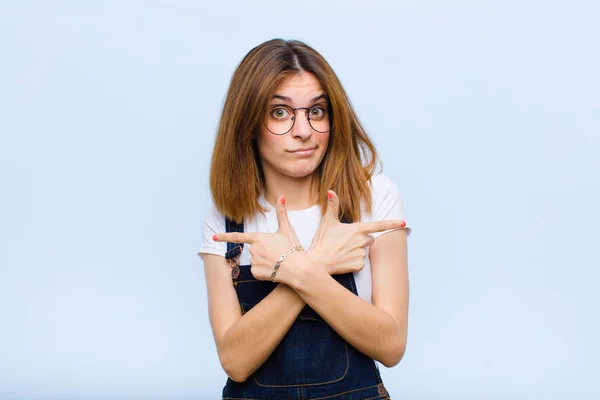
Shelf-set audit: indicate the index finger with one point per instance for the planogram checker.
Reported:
(235, 237)
(380, 226)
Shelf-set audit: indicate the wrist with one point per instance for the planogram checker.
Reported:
(303, 272)
(317, 261)
(286, 273)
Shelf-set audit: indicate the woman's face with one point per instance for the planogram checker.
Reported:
(298, 152)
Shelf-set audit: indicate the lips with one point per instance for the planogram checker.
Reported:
(307, 149)
(303, 152)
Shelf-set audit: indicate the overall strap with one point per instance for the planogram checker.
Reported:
(233, 249)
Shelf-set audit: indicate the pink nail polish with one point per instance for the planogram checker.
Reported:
(403, 224)
(283, 200)
(214, 237)
(330, 195)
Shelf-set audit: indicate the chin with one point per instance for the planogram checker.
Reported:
(292, 168)
(300, 171)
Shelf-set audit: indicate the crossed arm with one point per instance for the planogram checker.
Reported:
(244, 342)
(378, 330)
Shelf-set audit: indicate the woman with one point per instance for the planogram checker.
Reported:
(304, 289)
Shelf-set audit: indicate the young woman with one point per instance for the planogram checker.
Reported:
(305, 248)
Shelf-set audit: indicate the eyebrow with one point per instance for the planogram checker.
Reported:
(289, 100)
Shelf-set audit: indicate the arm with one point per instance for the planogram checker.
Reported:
(256, 334)
(379, 330)
(244, 342)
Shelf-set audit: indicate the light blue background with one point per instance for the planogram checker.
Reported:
(486, 114)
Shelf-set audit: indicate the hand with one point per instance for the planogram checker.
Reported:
(266, 248)
(342, 248)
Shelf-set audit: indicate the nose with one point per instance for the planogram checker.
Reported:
(302, 128)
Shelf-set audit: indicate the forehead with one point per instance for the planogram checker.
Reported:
(299, 87)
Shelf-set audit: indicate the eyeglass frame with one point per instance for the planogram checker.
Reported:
(307, 118)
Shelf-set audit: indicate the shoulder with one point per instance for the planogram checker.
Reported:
(383, 187)
(215, 219)
(214, 222)
(386, 200)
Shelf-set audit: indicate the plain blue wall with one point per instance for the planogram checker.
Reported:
(486, 115)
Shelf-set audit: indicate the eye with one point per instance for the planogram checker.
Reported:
(317, 112)
(280, 113)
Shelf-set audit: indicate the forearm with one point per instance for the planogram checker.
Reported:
(369, 329)
(250, 341)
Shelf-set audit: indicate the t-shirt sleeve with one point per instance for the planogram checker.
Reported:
(387, 204)
(214, 222)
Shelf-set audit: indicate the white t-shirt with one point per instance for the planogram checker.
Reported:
(386, 206)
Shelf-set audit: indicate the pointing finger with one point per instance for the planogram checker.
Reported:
(235, 237)
(380, 226)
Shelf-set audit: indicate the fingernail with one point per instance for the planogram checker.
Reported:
(214, 237)
(403, 224)
(283, 200)
(330, 195)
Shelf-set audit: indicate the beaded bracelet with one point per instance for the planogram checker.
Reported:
(278, 263)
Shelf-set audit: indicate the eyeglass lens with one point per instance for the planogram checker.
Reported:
(281, 118)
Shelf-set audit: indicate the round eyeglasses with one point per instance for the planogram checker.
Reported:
(281, 118)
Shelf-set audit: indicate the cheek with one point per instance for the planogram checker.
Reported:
(323, 140)
(268, 144)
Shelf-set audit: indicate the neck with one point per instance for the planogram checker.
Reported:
(298, 192)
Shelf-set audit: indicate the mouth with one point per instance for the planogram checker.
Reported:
(304, 151)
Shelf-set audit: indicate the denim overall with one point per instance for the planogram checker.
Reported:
(312, 361)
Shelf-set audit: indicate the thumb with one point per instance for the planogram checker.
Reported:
(333, 206)
(283, 221)
(282, 217)
(331, 215)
